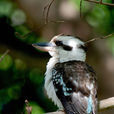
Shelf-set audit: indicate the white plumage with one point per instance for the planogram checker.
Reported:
(60, 55)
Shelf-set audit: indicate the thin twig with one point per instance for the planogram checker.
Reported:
(24, 36)
(97, 38)
(100, 2)
(44, 10)
(48, 8)
(28, 107)
(81, 8)
(2, 57)
(53, 21)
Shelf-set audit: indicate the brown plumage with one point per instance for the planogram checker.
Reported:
(81, 78)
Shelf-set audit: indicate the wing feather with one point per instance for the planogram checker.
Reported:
(76, 87)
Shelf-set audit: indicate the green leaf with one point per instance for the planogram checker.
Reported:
(110, 43)
(6, 63)
(36, 109)
(14, 92)
(5, 8)
(100, 18)
(35, 76)
(19, 64)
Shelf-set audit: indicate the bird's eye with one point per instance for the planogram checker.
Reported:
(83, 47)
(58, 43)
(65, 47)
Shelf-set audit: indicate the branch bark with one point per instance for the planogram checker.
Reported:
(106, 103)
(103, 105)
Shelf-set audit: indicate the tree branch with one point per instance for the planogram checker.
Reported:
(106, 103)
(100, 2)
(98, 38)
(103, 105)
(48, 8)
(2, 57)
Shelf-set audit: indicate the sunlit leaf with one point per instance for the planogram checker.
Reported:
(6, 62)
(14, 92)
(36, 109)
(76, 2)
(5, 8)
(107, 1)
(99, 18)
(4, 98)
(35, 76)
(25, 34)
(22, 30)
(19, 64)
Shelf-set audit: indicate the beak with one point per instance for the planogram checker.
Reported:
(43, 46)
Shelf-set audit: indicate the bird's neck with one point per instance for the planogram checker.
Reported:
(71, 57)
(63, 58)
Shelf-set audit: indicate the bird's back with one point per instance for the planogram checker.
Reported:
(76, 87)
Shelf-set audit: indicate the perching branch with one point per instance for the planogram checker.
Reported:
(106, 103)
(100, 2)
(2, 57)
(103, 105)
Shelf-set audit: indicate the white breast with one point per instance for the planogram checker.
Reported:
(49, 84)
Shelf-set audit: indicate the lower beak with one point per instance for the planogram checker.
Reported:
(43, 46)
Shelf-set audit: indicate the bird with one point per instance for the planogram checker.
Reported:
(69, 81)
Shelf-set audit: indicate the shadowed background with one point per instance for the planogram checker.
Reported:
(22, 69)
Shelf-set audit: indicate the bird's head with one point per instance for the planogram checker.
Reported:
(65, 48)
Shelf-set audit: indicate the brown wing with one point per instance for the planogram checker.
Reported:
(75, 86)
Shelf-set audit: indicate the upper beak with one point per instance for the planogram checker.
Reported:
(43, 46)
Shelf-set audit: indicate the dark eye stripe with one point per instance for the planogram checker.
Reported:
(67, 48)
(83, 47)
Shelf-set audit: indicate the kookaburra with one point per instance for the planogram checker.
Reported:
(69, 81)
